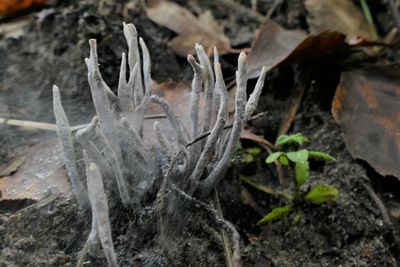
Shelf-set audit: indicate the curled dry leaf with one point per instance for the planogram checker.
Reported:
(337, 15)
(190, 29)
(249, 135)
(275, 46)
(367, 106)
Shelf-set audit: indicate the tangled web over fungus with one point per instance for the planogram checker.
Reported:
(113, 148)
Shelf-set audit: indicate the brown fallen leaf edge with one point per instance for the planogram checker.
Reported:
(274, 46)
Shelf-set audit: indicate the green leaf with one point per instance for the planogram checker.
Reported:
(316, 154)
(298, 156)
(274, 156)
(276, 214)
(291, 139)
(249, 159)
(238, 148)
(254, 151)
(322, 193)
(283, 160)
(252, 154)
(302, 170)
(282, 140)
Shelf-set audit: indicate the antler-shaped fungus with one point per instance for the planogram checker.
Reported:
(113, 142)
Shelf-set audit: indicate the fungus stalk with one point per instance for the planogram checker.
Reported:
(100, 215)
(114, 146)
(67, 144)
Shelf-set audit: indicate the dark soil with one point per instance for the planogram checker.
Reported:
(351, 232)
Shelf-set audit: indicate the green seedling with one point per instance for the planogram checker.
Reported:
(298, 161)
(252, 154)
(247, 155)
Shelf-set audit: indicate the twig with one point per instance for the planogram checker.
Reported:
(53, 127)
(29, 124)
(294, 103)
(249, 135)
(271, 10)
(291, 111)
(379, 203)
(385, 214)
(204, 135)
(83, 255)
(155, 116)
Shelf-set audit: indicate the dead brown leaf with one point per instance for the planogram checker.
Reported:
(272, 45)
(367, 106)
(190, 29)
(337, 15)
(177, 94)
(40, 174)
(249, 135)
(275, 46)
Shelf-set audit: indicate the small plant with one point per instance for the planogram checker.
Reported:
(252, 154)
(247, 155)
(298, 160)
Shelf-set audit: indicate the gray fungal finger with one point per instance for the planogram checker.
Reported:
(100, 212)
(67, 144)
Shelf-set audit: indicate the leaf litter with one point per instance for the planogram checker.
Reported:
(190, 29)
(367, 106)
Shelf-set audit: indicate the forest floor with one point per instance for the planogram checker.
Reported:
(360, 229)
